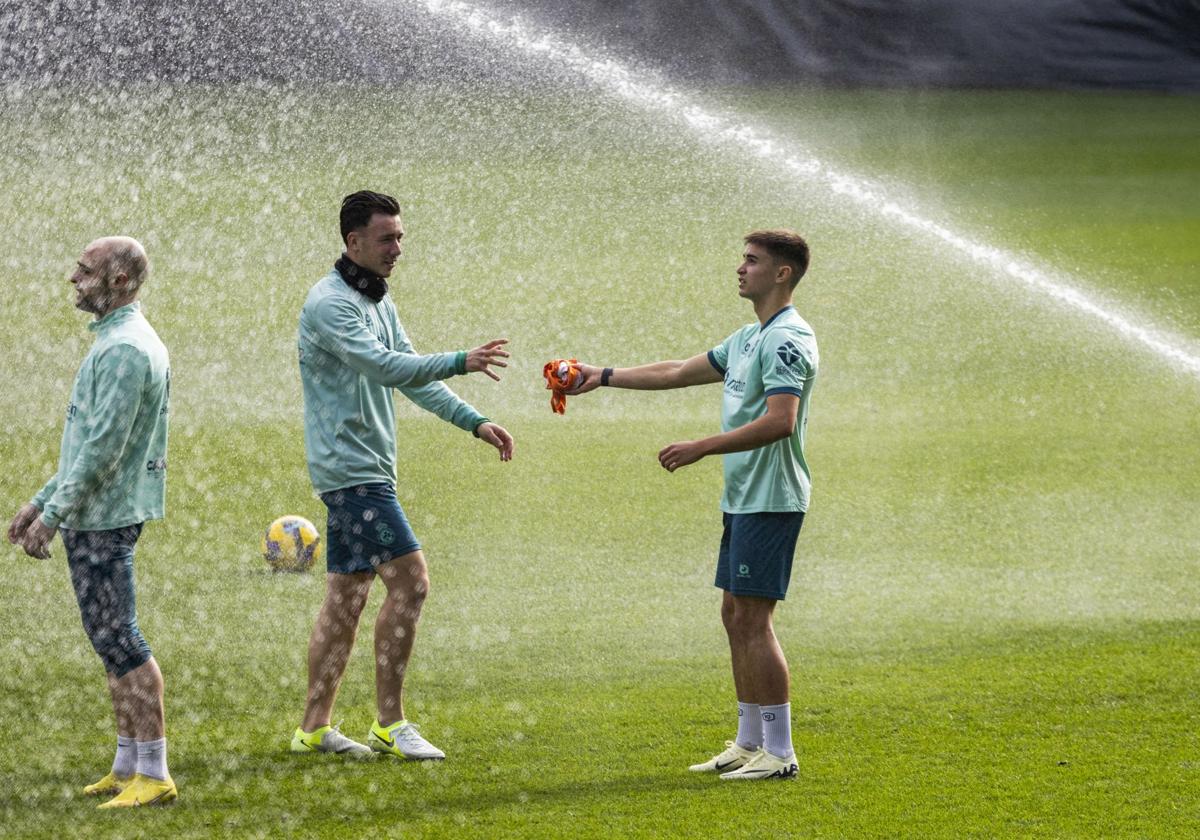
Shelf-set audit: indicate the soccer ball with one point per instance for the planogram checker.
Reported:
(291, 544)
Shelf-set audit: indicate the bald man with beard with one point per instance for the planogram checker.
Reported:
(111, 479)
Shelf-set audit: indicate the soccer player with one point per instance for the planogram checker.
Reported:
(768, 368)
(111, 479)
(353, 352)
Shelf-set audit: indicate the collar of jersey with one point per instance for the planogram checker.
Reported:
(121, 313)
(767, 323)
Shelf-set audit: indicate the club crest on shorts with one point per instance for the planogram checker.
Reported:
(386, 535)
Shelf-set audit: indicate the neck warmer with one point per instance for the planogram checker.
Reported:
(359, 279)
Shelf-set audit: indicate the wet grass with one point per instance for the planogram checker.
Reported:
(992, 626)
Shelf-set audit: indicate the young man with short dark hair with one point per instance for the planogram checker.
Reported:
(768, 368)
(353, 352)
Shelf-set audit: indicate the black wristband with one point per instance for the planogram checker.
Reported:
(604, 375)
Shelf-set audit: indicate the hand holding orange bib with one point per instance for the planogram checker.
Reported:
(561, 376)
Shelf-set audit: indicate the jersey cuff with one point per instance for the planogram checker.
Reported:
(460, 362)
(784, 390)
(712, 360)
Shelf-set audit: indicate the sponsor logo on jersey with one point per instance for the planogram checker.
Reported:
(789, 353)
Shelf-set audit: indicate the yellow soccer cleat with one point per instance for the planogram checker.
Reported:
(108, 786)
(143, 790)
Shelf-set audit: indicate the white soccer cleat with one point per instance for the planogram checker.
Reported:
(402, 739)
(764, 766)
(328, 739)
(731, 759)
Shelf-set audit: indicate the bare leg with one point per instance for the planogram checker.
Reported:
(331, 641)
(138, 702)
(120, 708)
(760, 671)
(407, 581)
(741, 682)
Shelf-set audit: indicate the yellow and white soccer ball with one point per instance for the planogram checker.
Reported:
(291, 544)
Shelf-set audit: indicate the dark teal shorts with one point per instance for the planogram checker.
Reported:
(756, 553)
(101, 564)
(366, 528)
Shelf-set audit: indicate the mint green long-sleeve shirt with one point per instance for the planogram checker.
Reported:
(353, 352)
(112, 464)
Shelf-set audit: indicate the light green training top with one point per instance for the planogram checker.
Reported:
(112, 466)
(353, 351)
(778, 357)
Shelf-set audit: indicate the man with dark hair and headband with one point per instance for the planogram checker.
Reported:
(353, 352)
(111, 479)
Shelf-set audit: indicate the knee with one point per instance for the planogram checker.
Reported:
(418, 590)
(348, 600)
(408, 581)
(744, 623)
(121, 647)
(727, 615)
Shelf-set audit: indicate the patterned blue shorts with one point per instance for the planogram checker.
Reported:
(366, 528)
(101, 564)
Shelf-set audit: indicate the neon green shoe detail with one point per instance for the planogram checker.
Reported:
(403, 740)
(327, 739)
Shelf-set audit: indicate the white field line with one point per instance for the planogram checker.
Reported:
(619, 80)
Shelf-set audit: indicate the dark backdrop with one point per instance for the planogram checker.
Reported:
(1134, 44)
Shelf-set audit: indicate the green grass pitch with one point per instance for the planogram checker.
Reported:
(993, 624)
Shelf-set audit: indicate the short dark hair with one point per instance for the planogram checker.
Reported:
(785, 246)
(359, 207)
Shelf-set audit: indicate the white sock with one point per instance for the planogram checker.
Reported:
(152, 758)
(750, 728)
(125, 764)
(777, 730)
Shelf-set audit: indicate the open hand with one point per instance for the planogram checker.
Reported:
(491, 353)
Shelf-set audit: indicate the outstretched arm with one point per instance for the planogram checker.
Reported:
(337, 327)
(657, 376)
(438, 399)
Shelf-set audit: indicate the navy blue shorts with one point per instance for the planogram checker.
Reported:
(101, 564)
(366, 528)
(756, 553)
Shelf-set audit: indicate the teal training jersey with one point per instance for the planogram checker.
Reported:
(112, 466)
(778, 357)
(353, 351)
